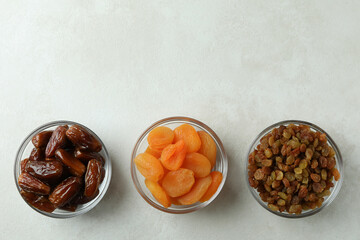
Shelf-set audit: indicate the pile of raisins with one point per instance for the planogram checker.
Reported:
(293, 168)
(64, 169)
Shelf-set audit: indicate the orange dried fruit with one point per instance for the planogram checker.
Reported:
(216, 180)
(155, 153)
(172, 157)
(198, 163)
(158, 192)
(179, 182)
(175, 201)
(160, 137)
(190, 137)
(199, 189)
(208, 147)
(149, 166)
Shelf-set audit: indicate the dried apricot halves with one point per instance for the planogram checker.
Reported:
(208, 147)
(149, 166)
(173, 155)
(158, 192)
(191, 138)
(199, 189)
(179, 182)
(160, 137)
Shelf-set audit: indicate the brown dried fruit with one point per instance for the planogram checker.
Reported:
(37, 154)
(40, 202)
(315, 177)
(57, 140)
(45, 170)
(23, 164)
(293, 168)
(41, 139)
(82, 139)
(92, 178)
(75, 166)
(31, 184)
(87, 156)
(65, 191)
(259, 174)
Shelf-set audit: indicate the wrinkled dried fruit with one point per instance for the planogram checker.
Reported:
(179, 182)
(81, 199)
(65, 191)
(173, 155)
(149, 166)
(31, 184)
(207, 147)
(160, 137)
(92, 178)
(293, 168)
(75, 166)
(200, 187)
(216, 181)
(37, 154)
(191, 138)
(315, 177)
(82, 139)
(41, 139)
(69, 207)
(45, 170)
(198, 163)
(336, 174)
(295, 209)
(155, 153)
(57, 140)
(40, 202)
(23, 164)
(85, 157)
(158, 192)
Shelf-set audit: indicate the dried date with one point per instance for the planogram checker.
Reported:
(82, 139)
(92, 178)
(32, 184)
(65, 191)
(75, 166)
(40, 202)
(45, 170)
(41, 139)
(57, 140)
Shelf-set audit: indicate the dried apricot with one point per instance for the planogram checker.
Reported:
(160, 137)
(216, 180)
(149, 166)
(155, 153)
(198, 163)
(190, 137)
(179, 182)
(172, 157)
(207, 147)
(158, 192)
(199, 189)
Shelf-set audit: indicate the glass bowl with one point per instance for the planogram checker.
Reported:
(24, 151)
(334, 190)
(142, 144)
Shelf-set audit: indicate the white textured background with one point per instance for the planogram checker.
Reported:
(117, 66)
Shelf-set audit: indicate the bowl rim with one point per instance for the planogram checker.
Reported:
(202, 126)
(339, 164)
(92, 203)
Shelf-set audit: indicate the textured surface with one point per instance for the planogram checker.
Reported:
(117, 66)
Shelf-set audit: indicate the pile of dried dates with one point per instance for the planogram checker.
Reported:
(63, 170)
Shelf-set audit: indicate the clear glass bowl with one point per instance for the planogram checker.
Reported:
(25, 150)
(142, 144)
(339, 165)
